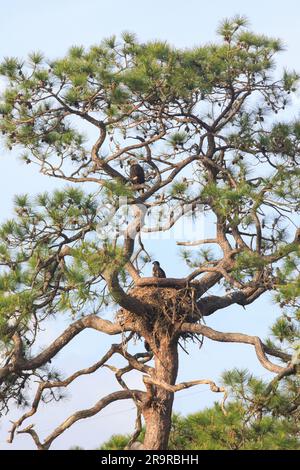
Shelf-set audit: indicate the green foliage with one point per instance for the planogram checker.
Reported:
(276, 399)
(9, 67)
(179, 188)
(289, 80)
(202, 256)
(116, 442)
(97, 78)
(237, 204)
(229, 26)
(92, 260)
(178, 139)
(36, 57)
(210, 429)
(116, 189)
(247, 262)
(283, 329)
(28, 272)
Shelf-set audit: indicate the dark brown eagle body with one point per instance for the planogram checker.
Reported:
(137, 174)
(157, 271)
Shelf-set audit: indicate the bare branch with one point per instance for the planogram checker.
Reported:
(137, 431)
(29, 430)
(60, 383)
(184, 385)
(90, 321)
(260, 348)
(83, 414)
(132, 271)
(212, 303)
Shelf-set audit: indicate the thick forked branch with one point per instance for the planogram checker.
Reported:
(134, 363)
(184, 385)
(83, 414)
(99, 162)
(61, 383)
(210, 277)
(90, 321)
(290, 370)
(132, 271)
(124, 300)
(137, 430)
(260, 348)
(210, 304)
(111, 273)
(162, 282)
(29, 430)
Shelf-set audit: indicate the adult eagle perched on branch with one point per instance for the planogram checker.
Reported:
(136, 173)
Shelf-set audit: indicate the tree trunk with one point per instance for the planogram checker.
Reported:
(158, 413)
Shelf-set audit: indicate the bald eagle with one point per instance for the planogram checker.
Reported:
(157, 271)
(136, 173)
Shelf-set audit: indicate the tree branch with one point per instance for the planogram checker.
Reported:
(184, 385)
(260, 348)
(83, 414)
(210, 304)
(91, 321)
(60, 383)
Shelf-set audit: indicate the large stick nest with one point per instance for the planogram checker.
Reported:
(168, 309)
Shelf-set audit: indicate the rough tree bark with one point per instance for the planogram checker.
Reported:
(158, 411)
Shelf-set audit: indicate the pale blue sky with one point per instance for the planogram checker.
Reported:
(52, 27)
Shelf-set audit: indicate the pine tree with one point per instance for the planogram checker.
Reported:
(209, 429)
(205, 125)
